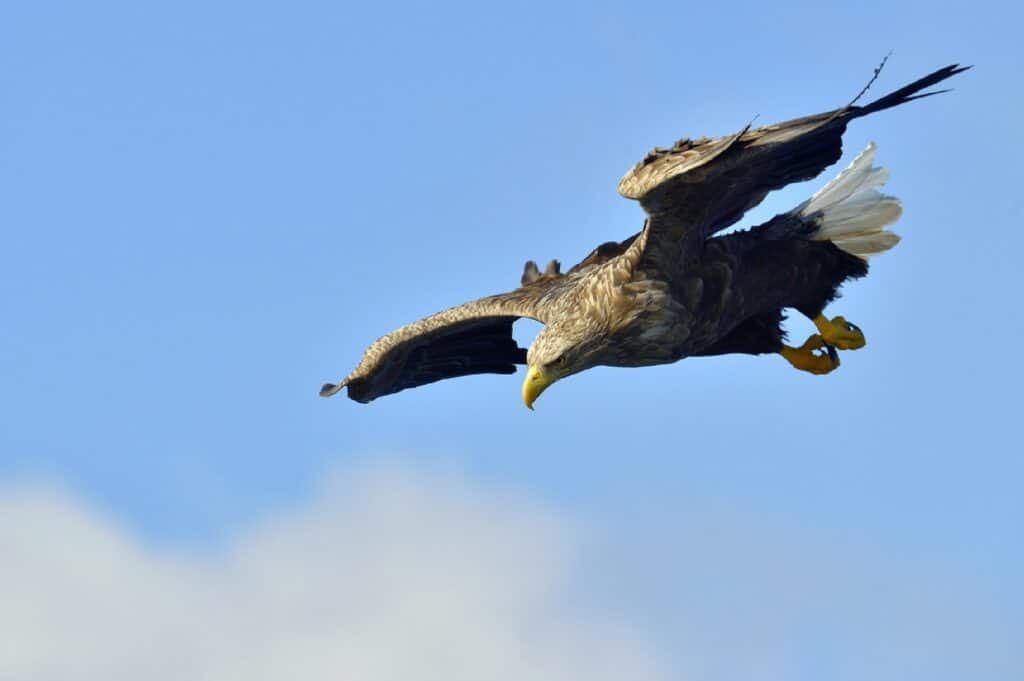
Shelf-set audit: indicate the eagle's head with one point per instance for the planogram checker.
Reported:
(562, 348)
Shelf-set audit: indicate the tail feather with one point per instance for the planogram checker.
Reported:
(850, 212)
(865, 245)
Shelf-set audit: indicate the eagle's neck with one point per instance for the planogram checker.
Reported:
(640, 319)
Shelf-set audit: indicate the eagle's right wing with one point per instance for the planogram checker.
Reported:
(697, 188)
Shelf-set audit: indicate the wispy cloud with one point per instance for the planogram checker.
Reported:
(387, 575)
(394, 574)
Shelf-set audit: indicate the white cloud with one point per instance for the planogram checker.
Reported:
(394, 574)
(385, 576)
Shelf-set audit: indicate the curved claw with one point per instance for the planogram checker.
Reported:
(832, 354)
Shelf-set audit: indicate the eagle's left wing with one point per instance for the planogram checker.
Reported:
(472, 338)
(699, 187)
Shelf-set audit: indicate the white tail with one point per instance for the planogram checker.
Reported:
(851, 212)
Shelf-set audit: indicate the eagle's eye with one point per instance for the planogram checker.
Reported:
(560, 361)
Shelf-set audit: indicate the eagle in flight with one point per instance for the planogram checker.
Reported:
(674, 289)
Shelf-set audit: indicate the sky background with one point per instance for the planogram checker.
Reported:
(209, 210)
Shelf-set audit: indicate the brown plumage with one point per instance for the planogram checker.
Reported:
(674, 289)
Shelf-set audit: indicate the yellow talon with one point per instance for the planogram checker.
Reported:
(805, 358)
(840, 333)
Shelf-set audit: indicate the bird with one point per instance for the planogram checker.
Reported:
(678, 288)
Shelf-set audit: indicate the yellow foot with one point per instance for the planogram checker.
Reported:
(840, 333)
(806, 358)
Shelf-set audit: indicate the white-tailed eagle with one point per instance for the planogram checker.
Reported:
(675, 289)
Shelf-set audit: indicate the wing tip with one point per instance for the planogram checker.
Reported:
(329, 389)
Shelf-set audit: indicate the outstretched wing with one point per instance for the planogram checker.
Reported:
(699, 187)
(473, 338)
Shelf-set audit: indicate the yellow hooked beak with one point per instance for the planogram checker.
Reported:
(535, 383)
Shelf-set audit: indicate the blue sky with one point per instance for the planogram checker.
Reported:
(211, 210)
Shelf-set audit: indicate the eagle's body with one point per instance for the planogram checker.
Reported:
(676, 290)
